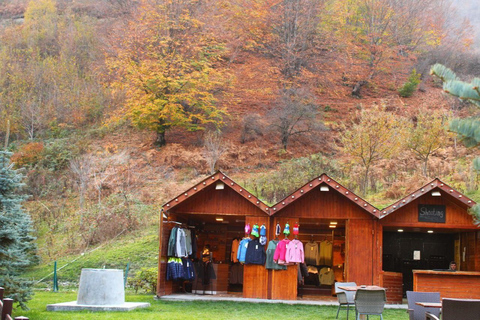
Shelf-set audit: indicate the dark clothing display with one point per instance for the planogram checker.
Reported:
(236, 274)
(194, 243)
(255, 253)
(270, 263)
(205, 271)
(175, 269)
(302, 273)
(188, 269)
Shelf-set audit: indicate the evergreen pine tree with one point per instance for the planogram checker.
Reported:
(467, 129)
(17, 250)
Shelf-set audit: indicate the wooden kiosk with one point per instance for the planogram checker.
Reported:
(392, 248)
(218, 209)
(420, 234)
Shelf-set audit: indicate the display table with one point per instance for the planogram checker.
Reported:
(450, 284)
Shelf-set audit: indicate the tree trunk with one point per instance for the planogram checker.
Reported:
(365, 181)
(358, 86)
(160, 141)
(425, 167)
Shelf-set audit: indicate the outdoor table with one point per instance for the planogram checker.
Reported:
(355, 288)
(429, 304)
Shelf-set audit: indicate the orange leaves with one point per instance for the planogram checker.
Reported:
(28, 154)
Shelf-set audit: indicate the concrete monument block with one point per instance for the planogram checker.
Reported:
(101, 287)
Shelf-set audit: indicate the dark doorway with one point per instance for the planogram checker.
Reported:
(433, 251)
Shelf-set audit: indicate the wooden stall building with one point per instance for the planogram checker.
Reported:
(406, 246)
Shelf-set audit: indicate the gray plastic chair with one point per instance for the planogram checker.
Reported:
(345, 298)
(370, 302)
(460, 309)
(416, 312)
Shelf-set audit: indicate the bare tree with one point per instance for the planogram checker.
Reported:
(295, 28)
(250, 128)
(295, 114)
(82, 168)
(214, 149)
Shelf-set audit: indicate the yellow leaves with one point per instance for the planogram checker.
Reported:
(377, 135)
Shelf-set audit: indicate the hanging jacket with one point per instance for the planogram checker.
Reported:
(172, 243)
(325, 253)
(194, 244)
(255, 253)
(312, 254)
(233, 256)
(294, 252)
(181, 247)
(270, 264)
(188, 241)
(242, 249)
(281, 251)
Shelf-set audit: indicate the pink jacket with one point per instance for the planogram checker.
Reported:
(295, 252)
(280, 251)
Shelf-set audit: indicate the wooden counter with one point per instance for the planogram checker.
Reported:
(456, 284)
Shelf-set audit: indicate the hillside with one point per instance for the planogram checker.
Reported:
(78, 106)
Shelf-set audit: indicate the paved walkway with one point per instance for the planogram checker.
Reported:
(196, 297)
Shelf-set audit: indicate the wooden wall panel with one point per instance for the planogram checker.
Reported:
(469, 243)
(284, 283)
(255, 277)
(477, 251)
(359, 251)
(211, 201)
(456, 215)
(324, 205)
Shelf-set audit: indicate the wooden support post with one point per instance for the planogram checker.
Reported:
(7, 307)
(1, 293)
(160, 235)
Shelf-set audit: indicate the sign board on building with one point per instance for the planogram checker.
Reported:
(431, 213)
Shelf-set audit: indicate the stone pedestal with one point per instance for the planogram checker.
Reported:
(101, 287)
(99, 290)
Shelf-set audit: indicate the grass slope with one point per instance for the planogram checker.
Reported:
(140, 249)
(192, 310)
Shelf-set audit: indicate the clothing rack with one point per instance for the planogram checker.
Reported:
(180, 224)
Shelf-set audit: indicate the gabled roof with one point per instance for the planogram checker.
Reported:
(325, 180)
(435, 184)
(229, 183)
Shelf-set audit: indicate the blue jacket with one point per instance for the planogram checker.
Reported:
(255, 253)
(242, 249)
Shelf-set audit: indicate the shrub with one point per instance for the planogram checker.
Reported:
(57, 154)
(411, 85)
(28, 154)
(145, 279)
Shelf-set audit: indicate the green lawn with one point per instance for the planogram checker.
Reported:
(191, 310)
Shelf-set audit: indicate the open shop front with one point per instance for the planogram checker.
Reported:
(200, 232)
(422, 234)
(336, 229)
